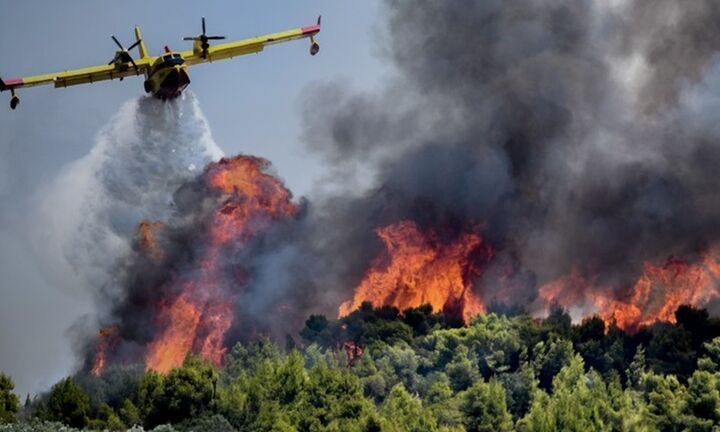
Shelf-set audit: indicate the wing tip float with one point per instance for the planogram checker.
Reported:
(312, 31)
(10, 85)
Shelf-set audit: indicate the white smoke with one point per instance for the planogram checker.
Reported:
(88, 216)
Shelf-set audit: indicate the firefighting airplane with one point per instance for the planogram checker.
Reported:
(166, 76)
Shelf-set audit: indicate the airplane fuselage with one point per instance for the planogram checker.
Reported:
(167, 77)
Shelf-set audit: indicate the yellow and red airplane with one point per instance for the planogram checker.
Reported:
(166, 76)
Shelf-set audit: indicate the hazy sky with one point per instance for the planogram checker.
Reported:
(252, 104)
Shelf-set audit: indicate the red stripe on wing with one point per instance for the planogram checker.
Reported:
(311, 29)
(14, 82)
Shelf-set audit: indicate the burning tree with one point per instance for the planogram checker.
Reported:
(184, 282)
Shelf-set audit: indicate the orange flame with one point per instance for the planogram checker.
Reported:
(181, 318)
(197, 320)
(655, 296)
(216, 323)
(107, 340)
(147, 239)
(416, 268)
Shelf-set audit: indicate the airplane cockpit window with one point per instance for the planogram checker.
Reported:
(170, 60)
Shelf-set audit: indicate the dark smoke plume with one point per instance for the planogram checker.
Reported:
(579, 135)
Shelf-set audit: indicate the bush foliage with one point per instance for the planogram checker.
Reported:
(380, 369)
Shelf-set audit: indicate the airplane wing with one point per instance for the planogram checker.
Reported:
(78, 76)
(252, 45)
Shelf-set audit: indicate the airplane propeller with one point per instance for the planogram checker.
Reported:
(203, 39)
(125, 53)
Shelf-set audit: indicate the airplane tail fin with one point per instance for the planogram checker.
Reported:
(3, 87)
(141, 46)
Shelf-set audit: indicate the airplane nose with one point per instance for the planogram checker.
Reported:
(175, 81)
(172, 80)
(182, 76)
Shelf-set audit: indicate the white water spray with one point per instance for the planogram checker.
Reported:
(89, 215)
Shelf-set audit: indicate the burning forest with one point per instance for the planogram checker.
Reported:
(526, 209)
(185, 278)
(523, 165)
(189, 278)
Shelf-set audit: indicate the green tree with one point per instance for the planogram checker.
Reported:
(462, 370)
(670, 351)
(129, 413)
(244, 359)
(558, 322)
(491, 345)
(711, 360)
(444, 406)
(106, 419)
(333, 401)
(698, 324)
(373, 380)
(625, 410)
(519, 389)
(268, 397)
(188, 391)
(208, 423)
(233, 403)
(418, 375)
(483, 408)
(9, 402)
(404, 413)
(327, 334)
(637, 368)
(665, 397)
(112, 386)
(397, 363)
(421, 319)
(68, 404)
(550, 358)
(579, 402)
(589, 341)
(368, 325)
(703, 400)
(149, 398)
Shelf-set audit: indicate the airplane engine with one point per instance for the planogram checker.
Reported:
(314, 48)
(14, 102)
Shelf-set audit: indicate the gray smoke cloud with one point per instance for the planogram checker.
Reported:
(581, 134)
(678, 41)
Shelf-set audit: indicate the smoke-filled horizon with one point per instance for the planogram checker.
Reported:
(551, 151)
(523, 154)
(580, 135)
